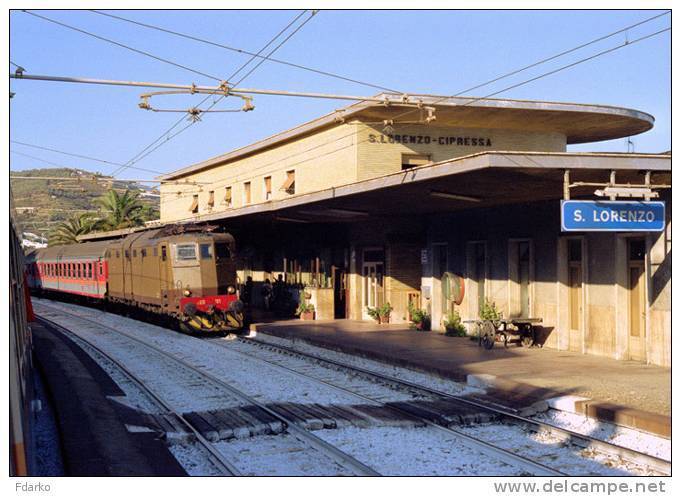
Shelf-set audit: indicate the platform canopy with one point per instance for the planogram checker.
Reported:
(476, 181)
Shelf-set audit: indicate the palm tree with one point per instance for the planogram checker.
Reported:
(120, 211)
(67, 232)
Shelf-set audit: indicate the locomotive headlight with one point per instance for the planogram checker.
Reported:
(231, 289)
(187, 292)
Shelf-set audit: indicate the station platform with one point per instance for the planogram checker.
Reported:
(623, 392)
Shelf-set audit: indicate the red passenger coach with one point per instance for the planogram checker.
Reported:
(77, 269)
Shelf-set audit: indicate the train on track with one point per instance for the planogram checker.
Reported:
(182, 274)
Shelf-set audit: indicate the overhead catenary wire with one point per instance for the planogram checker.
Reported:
(531, 65)
(246, 52)
(157, 143)
(236, 176)
(561, 54)
(39, 159)
(122, 45)
(94, 159)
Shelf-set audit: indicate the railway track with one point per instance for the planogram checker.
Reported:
(221, 464)
(327, 371)
(346, 463)
(275, 352)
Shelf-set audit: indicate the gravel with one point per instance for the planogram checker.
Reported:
(553, 452)
(262, 381)
(415, 451)
(281, 455)
(420, 378)
(621, 436)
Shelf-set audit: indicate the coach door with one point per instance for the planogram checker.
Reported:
(163, 275)
(636, 287)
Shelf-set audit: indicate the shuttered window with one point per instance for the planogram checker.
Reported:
(268, 188)
(410, 160)
(247, 193)
(290, 184)
(211, 198)
(228, 196)
(194, 208)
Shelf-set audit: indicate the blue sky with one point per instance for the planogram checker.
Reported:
(440, 52)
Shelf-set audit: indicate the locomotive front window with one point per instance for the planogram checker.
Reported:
(186, 252)
(222, 251)
(206, 251)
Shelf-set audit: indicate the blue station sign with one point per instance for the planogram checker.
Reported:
(578, 215)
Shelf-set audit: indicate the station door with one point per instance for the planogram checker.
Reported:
(636, 288)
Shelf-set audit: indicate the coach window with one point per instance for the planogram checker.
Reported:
(186, 252)
(118, 254)
(101, 268)
(222, 251)
(206, 251)
(155, 252)
(134, 253)
(164, 253)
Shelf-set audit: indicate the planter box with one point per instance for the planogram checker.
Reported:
(384, 319)
(307, 316)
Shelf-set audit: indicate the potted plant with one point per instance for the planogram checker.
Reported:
(489, 311)
(305, 310)
(420, 319)
(453, 325)
(381, 314)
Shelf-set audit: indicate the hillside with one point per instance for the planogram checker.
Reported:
(42, 203)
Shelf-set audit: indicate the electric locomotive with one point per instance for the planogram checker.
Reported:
(182, 273)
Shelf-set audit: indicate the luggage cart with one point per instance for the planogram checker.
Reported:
(503, 330)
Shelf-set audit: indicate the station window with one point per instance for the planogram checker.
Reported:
(194, 207)
(290, 184)
(267, 185)
(186, 252)
(211, 199)
(206, 251)
(228, 196)
(247, 193)
(637, 249)
(410, 160)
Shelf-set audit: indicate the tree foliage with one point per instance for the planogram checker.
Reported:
(120, 211)
(67, 232)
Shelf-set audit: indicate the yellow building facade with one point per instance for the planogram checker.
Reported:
(364, 206)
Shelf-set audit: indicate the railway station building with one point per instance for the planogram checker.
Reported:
(391, 202)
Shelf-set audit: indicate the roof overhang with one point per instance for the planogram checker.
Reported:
(580, 123)
(475, 181)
